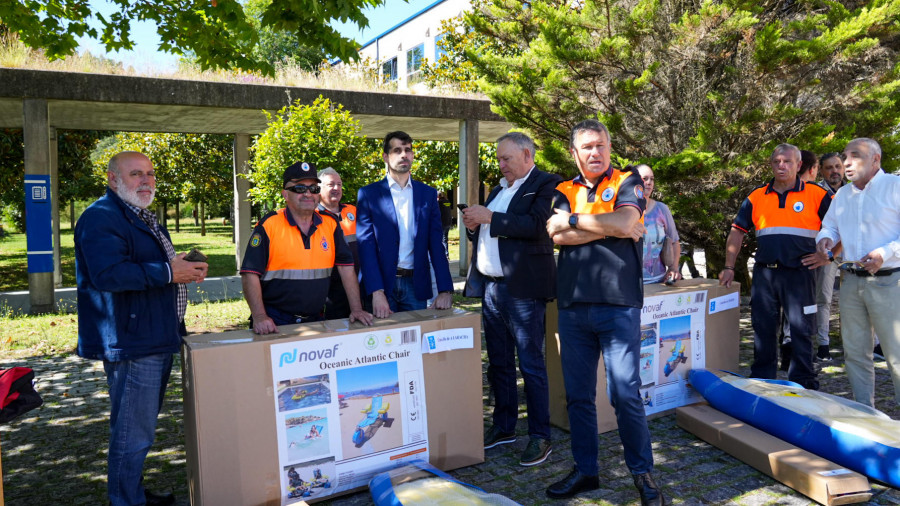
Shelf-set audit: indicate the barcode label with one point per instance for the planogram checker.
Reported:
(408, 337)
(701, 296)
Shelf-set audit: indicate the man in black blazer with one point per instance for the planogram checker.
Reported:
(514, 271)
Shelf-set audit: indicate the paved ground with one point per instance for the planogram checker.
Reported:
(56, 454)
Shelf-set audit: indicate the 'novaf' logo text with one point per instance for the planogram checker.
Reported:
(291, 357)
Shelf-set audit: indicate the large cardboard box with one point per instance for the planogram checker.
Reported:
(721, 338)
(230, 404)
(819, 479)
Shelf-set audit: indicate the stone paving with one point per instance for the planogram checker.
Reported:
(57, 453)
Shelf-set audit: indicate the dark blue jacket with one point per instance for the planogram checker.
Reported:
(126, 304)
(378, 236)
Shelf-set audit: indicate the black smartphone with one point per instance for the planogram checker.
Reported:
(461, 207)
(195, 256)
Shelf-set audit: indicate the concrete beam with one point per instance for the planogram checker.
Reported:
(469, 179)
(242, 224)
(37, 162)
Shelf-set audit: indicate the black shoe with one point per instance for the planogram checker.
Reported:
(496, 437)
(574, 483)
(823, 354)
(651, 495)
(786, 349)
(878, 354)
(158, 500)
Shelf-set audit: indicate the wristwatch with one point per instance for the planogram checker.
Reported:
(830, 256)
(573, 220)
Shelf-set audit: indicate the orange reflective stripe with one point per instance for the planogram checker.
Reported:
(289, 256)
(799, 216)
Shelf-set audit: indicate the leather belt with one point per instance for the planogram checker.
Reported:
(404, 273)
(882, 272)
(495, 279)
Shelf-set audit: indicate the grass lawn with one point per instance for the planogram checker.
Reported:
(217, 245)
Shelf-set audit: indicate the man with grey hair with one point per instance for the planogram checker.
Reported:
(865, 218)
(131, 305)
(512, 268)
(336, 304)
(786, 213)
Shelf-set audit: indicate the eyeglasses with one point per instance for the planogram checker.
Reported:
(301, 189)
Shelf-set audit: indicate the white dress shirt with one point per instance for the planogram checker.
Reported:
(866, 220)
(406, 220)
(489, 247)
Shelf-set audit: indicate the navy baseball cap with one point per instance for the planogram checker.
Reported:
(300, 170)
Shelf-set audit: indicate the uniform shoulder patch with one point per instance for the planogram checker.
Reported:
(255, 239)
(639, 192)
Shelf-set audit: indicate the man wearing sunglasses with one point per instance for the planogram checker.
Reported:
(288, 262)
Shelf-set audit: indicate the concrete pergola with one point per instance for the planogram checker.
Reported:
(40, 102)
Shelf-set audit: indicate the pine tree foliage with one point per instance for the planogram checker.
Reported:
(701, 90)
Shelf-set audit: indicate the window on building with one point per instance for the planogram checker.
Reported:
(415, 57)
(438, 50)
(389, 70)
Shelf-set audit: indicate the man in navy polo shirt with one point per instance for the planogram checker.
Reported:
(597, 222)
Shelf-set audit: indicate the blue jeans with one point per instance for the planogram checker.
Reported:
(136, 391)
(404, 296)
(516, 325)
(584, 331)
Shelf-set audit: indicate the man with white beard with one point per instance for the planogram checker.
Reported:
(131, 304)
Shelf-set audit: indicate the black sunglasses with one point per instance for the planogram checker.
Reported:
(301, 189)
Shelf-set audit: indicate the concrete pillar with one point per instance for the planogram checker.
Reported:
(36, 132)
(242, 225)
(469, 179)
(54, 206)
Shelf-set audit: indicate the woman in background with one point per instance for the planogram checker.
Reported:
(660, 226)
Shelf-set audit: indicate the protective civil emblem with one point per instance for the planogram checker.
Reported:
(304, 166)
(798, 206)
(255, 240)
(350, 216)
(638, 192)
(324, 244)
(607, 194)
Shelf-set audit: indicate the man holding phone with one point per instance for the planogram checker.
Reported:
(513, 269)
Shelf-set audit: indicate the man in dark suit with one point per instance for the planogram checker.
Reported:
(398, 231)
(513, 269)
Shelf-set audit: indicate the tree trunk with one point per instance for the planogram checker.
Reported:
(72, 215)
(196, 214)
(177, 216)
(202, 214)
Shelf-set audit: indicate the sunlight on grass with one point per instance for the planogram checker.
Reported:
(57, 334)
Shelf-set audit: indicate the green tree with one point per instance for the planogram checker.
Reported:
(322, 133)
(280, 46)
(437, 164)
(189, 167)
(700, 90)
(73, 164)
(219, 32)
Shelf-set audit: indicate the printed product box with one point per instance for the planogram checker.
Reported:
(317, 410)
(692, 324)
(819, 479)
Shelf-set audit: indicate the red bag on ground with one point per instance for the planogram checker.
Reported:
(17, 395)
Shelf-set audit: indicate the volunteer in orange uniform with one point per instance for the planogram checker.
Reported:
(787, 214)
(336, 305)
(288, 262)
(597, 223)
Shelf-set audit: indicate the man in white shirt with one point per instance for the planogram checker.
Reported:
(865, 218)
(398, 231)
(514, 271)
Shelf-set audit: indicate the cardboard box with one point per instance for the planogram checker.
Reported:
(230, 408)
(819, 479)
(722, 342)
